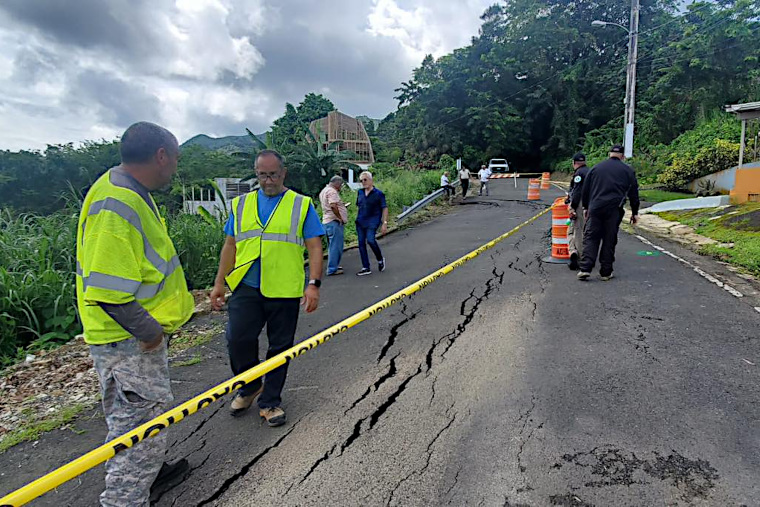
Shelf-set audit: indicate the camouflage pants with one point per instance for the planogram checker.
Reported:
(135, 387)
(575, 234)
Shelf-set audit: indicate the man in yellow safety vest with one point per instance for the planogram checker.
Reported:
(131, 293)
(262, 263)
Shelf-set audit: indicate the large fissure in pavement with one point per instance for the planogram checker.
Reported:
(244, 470)
(373, 418)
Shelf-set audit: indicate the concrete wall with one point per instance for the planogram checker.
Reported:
(724, 181)
(747, 186)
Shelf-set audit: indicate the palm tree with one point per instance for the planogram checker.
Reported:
(311, 164)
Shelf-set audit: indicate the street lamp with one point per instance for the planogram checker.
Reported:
(630, 84)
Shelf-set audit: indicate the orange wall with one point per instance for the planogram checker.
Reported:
(747, 182)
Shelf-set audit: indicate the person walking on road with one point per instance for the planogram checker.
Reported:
(577, 220)
(262, 263)
(464, 180)
(605, 189)
(334, 218)
(483, 176)
(445, 185)
(131, 294)
(372, 212)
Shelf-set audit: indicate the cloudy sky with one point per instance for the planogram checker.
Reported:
(72, 70)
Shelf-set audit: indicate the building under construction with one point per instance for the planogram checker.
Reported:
(337, 126)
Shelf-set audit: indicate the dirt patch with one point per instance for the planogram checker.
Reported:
(50, 382)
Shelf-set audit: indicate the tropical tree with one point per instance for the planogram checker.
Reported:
(311, 164)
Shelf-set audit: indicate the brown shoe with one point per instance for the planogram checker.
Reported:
(274, 416)
(242, 403)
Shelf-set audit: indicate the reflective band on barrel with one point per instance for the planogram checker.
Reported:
(559, 221)
(131, 216)
(560, 241)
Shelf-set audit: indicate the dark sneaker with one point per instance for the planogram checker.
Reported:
(381, 264)
(607, 278)
(364, 272)
(582, 275)
(336, 272)
(274, 416)
(573, 261)
(170, 476)
(242, 403)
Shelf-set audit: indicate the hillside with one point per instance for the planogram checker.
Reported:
(221, 143)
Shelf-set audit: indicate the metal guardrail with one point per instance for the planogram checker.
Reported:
(422, 203)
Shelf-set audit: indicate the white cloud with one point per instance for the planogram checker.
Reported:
(87, 69)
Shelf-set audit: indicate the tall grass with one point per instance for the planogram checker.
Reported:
(37, 285)
(198, 244)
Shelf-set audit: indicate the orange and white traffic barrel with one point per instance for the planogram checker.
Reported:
(545, 177)
(534, 189)
(560, 224)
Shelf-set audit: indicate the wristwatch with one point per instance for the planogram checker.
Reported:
(316, 283)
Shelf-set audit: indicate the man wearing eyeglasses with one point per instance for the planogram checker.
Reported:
(372, 213)
(262, 263)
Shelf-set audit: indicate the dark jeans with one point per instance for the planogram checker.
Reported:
(367, 235)
(601, 227)
(465, 186)
(448, 189)
(249, 310)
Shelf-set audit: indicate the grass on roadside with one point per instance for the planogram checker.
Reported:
(32, 430)
(662, 195)
(739, 225)
(197, 358)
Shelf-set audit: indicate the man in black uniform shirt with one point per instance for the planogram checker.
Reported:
(577, 220)
(606, 187)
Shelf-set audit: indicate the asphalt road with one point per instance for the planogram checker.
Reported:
(506, 382)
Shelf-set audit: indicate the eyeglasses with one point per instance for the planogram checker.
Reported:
(364, 179)
(270, 176)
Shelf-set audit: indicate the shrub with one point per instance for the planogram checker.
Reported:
(718, 156)
(198, 243)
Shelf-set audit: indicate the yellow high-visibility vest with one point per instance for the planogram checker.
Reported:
(124, 254)
(279, 243)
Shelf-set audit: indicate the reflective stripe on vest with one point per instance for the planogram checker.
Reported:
(121, 284)
(293, 237)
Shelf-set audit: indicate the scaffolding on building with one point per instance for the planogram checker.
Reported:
(351, 133)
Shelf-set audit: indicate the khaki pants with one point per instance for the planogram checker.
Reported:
(575, 234)
(136, 388)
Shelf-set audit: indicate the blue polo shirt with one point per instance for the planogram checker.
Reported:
(312, 227)
(370, 208)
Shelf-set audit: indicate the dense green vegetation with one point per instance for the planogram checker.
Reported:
(540, 82)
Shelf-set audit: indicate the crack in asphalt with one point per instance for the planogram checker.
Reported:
(198, 428)
(525, 418)
(244, 470)
(429, 452)
(377, 413)
(392, 370)
(456, 479)
(462, 326)
(394, 334)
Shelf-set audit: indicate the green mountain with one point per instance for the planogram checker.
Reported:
(227, 143)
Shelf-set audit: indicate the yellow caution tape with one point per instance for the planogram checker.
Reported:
(152, 428)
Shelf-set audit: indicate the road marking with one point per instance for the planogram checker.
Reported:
(697, 269)
(153, 427)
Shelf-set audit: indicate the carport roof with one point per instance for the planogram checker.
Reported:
(746, 111)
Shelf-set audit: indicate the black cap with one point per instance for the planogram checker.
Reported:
(579, 157)
(618, 148)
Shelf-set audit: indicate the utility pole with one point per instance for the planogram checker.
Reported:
(630, 85)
